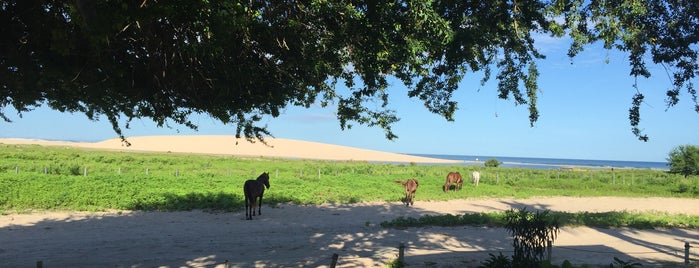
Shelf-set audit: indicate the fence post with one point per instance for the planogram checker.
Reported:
(85, 171)
(39, 264)
(334, 261)
(146, 171)
(401, 253)
(16, 169)
(686, 253)
(225, 264)
(177, 172)
(45, 170)
(119, 171)
(319, 174)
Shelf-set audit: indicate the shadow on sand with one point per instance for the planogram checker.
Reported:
(283, 236)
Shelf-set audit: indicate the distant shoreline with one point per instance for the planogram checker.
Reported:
(553, 163)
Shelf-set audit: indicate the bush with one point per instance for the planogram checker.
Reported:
(684, 160)
(492, 162)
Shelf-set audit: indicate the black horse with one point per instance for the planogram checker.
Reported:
(254, 189)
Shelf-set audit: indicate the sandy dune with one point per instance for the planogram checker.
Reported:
(308, 236)
(229, 145)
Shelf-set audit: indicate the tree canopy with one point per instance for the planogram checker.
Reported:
(239, 61)
(684, 159)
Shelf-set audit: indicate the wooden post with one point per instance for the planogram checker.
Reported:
(39, 264)
(686, 253)
(225, 264)
(401, 253)
(334, 261)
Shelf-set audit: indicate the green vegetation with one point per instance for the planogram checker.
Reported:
(116, 59)
(492, 162)
(59, 178)
(645, 220)
(684, 160)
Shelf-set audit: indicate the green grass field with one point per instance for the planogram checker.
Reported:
(36, 177)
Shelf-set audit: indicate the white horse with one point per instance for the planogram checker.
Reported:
(475, 177)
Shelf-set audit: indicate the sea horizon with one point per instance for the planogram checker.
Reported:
(549, 163)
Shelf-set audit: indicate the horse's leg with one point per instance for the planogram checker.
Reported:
(253, 203)
(247, 214)
(259, 208)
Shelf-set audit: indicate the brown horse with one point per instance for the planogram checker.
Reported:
(410, 186)
(455, 179)
(254, 189)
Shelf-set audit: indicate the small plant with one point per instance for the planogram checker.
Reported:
(492, 162)
(499, 261)
(531, 232)
(396, 263)
(624, 264)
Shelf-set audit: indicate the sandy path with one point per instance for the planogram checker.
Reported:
(307, 236)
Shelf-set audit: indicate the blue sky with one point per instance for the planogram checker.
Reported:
(583, 115)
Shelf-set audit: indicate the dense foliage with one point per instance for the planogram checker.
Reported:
(492, 162)
(239, 61)
(531, 233)
(684, 159)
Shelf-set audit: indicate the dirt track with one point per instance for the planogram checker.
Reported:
(307, 236)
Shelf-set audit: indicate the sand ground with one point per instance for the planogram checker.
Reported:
(307, 236)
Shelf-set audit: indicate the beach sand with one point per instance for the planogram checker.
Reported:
(307, 236)
(229, 145)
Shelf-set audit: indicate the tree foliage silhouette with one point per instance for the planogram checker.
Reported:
(240, 61)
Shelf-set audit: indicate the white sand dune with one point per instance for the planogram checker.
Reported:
(229, 145)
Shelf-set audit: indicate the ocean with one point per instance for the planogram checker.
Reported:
(549, 163)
